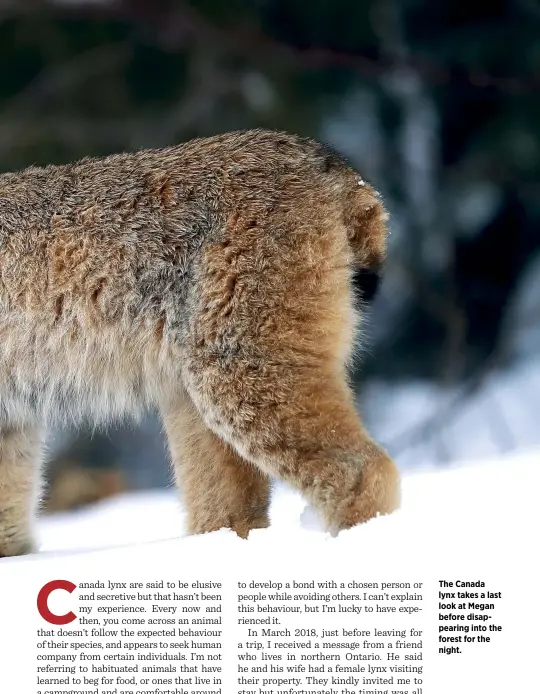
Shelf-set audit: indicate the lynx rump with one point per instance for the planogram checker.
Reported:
(210, 280)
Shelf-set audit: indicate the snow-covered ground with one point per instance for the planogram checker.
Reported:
(452, 499)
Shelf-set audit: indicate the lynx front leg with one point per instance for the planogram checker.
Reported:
(220, 488)
(20, 453)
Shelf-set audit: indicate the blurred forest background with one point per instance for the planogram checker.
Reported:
(436, 103)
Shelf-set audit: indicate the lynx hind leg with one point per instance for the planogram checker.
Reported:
(266, 367)
(20, 453)
(221, 490)
(303, 428)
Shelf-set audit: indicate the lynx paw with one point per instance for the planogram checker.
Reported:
(14, 539)
(16, 549)
(376, 493)
(241, 526)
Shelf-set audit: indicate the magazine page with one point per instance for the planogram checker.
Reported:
(269, 347)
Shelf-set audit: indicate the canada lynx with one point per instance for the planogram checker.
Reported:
(211, 280)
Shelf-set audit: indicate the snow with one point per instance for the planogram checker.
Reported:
(158, 516)
(470, 521)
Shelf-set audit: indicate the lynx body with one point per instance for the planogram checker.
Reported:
(212, 281)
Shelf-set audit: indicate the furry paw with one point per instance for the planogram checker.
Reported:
(377, 492)
(15, 548)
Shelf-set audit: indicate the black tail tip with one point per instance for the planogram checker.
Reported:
(367, 281)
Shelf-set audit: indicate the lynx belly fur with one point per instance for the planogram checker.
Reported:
(212, 281)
